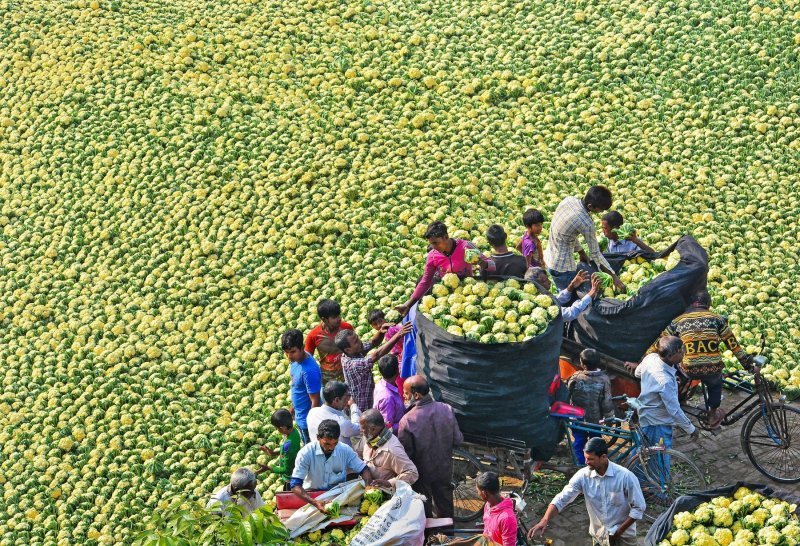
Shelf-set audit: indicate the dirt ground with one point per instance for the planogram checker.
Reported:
(720, 457)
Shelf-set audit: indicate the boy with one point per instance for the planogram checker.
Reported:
(377, 320)
(387, 398)
(530, 245)
(357, 363)
(506, 262)
(499, 519)
(282, 420)
(306, 379)
(322, 339)
(610, 222)
(589, 389)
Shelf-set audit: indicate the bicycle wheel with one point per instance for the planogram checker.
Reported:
(662, 484)
(467, 504)
(771, 440)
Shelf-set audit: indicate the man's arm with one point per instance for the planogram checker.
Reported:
(299, 474)
(326, 347)
(315, 400)
(313, 382)
(351, 427)
(406, 438)
(634, 238)
(403, 467)
(298, 490)
(578, 306)
(379, 334)
(386, 348)
(671, 403)
(727, 336)
(543, 523)
(607, 405)
(457, 436)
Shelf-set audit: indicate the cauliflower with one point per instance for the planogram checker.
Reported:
(553, 311)
(455, 330)
(741, 492)
(451, 280)
(480, 289)
(780, 510)
(440, 290)
(792, 531)
(769, 535)
(679, 537)
(723, 537)
(723, 517)
(704, 540)
(503, 302)
(698, 531)
(543, 300)
(703, 514)
(683, 520)
(337, 534)
(722, 502)
(525, 307)
(746, 535)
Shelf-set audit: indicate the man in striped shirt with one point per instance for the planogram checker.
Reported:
(571, 220)
(704, 333)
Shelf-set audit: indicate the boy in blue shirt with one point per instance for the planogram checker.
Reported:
(610, 222)
(306, 379)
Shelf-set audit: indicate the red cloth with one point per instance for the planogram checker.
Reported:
(500, 522)
(328, 362)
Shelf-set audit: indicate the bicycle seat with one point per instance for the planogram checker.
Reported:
(562, 410)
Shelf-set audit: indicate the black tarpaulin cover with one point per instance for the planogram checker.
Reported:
(625, 329)
(687, 503)
(498, 390)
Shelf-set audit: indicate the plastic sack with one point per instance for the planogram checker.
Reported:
(499, 389)
(626, 329)
(308, 519)
(661, 527)
(399, 521)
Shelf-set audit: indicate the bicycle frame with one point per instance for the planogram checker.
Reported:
(631, 439)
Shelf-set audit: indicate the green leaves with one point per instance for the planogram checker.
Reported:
(183, 524)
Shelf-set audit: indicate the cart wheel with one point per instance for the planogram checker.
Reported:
(771, 439)
(661, 486)
(467, 504)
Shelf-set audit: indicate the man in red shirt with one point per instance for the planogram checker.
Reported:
(322, 337)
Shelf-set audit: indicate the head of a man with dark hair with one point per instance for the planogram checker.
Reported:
(497, 237)
(389, 367)
(336, 394)
(437, 236)
(292, 345)
(330, 313)
(701, 299)
(597, 199)
(328, 435)
(671, 350)
(596, 453)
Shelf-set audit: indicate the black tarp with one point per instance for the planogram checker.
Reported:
(686, 503)
(497, 390)
(625, 329)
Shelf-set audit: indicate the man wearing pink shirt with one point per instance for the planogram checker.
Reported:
(499, 520)
(446, 256)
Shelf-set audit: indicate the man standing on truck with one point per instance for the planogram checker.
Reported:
(571, 220)
(703, 333)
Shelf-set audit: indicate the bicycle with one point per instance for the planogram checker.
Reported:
(770, 434)
(664, 473)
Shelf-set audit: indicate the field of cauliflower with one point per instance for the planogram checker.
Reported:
(182, 181)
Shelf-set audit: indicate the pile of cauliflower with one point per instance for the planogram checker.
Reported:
(370, 502)
(747, 519)
(489, 312)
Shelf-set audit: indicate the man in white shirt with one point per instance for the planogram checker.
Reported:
(335, 399)
(569, 311)
(241, 491)
(613, 498)
(661, 409)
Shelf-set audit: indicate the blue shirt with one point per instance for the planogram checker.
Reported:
(622, 246)
(306, 380)
(320, 472)
(578, 306)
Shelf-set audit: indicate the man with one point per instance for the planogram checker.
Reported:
(613, 498)
(703, 333)
(506, 262)
(306, 378)
(357, 363)
(388, 400)
(337, 398)
(429, 432)
(499, 520)
(241, 491)
(571, 219)
(383, 452)
(659, 396)
(322, 337)
(610, 222)
(325, 463)
(564, 297)
(590, 389)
